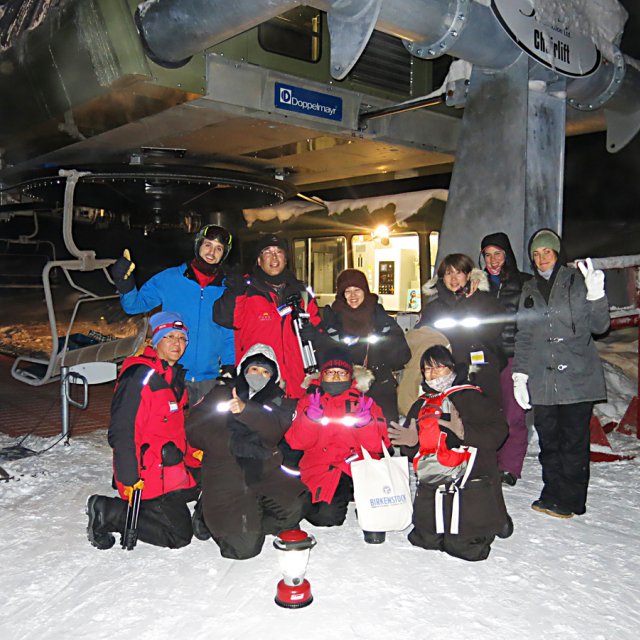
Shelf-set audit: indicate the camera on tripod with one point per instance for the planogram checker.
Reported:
(299, 317)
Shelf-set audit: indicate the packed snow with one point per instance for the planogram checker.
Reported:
(551, 579)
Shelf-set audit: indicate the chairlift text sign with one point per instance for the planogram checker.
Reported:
(555, 44)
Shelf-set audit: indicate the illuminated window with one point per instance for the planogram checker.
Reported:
(295, 34)
(434, 237)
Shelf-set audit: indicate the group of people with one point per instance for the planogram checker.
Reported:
(223, 410)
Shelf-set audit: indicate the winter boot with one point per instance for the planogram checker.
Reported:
(198, 525)
(375, 537)
(507, 529)
(509, 479)
(551, 509)
(96, 510)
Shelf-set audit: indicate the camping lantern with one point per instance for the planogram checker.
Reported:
(293, 592)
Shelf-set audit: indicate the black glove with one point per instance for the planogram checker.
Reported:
(452, 440)
(236, 281)
(228, 371)
(308, 332)
(118, 270)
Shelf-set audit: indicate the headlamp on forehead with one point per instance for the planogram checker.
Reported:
(178, 324)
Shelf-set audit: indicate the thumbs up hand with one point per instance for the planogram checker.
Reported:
(593, 279)
(236, 405)
(122, 273)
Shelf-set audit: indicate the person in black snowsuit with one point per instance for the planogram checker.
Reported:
(247, 492)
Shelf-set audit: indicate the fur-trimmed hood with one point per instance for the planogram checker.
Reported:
(363, 378)
(430, 288)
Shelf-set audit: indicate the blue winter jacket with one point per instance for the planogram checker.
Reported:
(177, 289)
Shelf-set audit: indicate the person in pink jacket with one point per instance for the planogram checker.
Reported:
(332, 422)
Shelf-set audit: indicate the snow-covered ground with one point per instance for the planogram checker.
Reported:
(553, 578)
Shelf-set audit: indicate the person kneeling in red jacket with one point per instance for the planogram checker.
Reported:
(150, 449)
(332, 422)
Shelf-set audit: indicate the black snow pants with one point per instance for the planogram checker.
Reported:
(164, 521)
(563, 432)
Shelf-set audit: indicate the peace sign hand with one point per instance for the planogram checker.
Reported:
(593, 279)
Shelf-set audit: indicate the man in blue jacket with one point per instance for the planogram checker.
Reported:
(191, 289)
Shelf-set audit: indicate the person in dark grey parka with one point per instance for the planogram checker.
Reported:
(557, 369)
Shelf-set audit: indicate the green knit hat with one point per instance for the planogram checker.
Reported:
(544, 238)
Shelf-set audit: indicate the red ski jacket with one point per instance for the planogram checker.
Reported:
(147, 427)
(330, 445)
(255, 317)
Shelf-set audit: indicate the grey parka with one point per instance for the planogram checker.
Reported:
(554, 344)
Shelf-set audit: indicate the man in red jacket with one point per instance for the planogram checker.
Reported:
(332, 422)
(150, 450)
(258, 308)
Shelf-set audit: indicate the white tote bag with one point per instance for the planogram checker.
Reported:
(382, 493)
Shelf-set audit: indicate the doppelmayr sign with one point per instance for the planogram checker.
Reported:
(553, 44)
(311, 103)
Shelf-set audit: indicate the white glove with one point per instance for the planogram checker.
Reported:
(593, 278)
(520, 390)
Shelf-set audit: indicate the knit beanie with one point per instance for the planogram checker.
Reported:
(270, 240)
(165, 322)
(544, 238)
(337, 358)
(351, 278)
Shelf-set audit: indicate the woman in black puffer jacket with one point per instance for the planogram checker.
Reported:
(460, 307)
(372, 337)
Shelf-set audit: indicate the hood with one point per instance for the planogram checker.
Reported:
(433, 286)
(260, 349)
(500, 240)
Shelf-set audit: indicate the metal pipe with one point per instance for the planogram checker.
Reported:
(402, 107)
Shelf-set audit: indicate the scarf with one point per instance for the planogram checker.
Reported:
(360, 321)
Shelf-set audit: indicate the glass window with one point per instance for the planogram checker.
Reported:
(327, 258)
(392, 267)
(296, 34)
(300, 260)
(434, 238)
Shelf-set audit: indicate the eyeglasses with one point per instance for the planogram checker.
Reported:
(340, 374)
(181, 338)
(278, 253)
(436, 368)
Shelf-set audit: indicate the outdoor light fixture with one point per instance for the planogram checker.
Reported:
(293, 591)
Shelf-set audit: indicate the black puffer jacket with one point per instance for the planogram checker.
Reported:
(480, 344)
(507, 290)
(382, 355)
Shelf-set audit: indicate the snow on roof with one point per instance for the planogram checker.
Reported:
(406, 204)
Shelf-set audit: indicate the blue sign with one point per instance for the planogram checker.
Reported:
(311, 103)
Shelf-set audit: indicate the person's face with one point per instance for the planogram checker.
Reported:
(336, 374)
(211, 251)
(258, 371)
(454, 279)
(272, 260)
(544, 258)
(172, 346)
(433, 370)
(494, 257)
(354, 296)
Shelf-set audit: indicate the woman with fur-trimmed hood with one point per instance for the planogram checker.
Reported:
(332, 422)
(460, 307)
